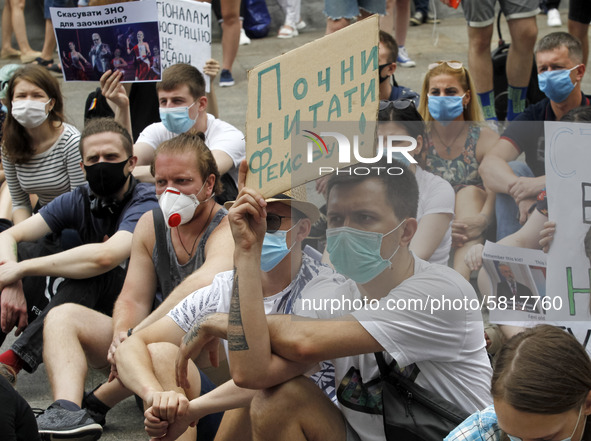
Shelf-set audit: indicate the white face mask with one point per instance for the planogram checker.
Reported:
(178, 208)
(29, 113)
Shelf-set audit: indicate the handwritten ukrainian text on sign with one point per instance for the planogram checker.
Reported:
(185, 33)
(333, 79)
(568, 185)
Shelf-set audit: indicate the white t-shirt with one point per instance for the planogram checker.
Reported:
(219, 136)
(436, 195)
(312, 278)
(447, 347)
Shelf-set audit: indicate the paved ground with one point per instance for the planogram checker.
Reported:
(425, 45)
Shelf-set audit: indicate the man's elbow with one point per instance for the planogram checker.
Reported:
(106, 260)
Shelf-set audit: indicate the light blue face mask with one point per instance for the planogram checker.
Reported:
(556, 84)
(177, 119)
(356, 253)
(274, 249)
(516, 438)
(445, 109)
(4, 108)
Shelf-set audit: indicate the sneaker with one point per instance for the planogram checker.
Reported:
(9, 373)
(554, 18)
(226, 79)
(301, 25)
(95, 408)
(57, 422)
(431, 19)
(243, 38)
(417, 19)
(403, 58)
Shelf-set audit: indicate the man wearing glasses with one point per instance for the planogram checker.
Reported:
(145, 361)
(100, 56)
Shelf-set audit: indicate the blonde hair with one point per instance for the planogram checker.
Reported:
(472, 111)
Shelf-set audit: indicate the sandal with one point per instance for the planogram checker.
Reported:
(42, 62)
(287, 32)
(55, 68)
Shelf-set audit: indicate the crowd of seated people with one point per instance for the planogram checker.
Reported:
(154, 262)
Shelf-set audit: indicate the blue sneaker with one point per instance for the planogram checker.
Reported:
(226, 79)
(403, 58)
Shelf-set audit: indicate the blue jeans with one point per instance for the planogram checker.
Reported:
(422, 6)
(507, 211)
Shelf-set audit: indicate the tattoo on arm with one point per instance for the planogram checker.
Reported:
(236, 337)
(192, 334)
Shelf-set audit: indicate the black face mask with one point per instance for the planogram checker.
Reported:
(380, 67)
(106, 178)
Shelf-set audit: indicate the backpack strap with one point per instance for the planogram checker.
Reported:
(163, 268)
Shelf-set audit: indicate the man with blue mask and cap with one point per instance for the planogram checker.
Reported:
(183, 108)
(371, 221)
(559, 60)
(285, 274)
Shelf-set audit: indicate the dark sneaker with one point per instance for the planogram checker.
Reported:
(59, 423)
(96, 408)
(417, 19)
(226, 78)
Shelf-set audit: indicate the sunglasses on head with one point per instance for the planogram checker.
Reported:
(398, 104)
(451, 64)
(274, 222)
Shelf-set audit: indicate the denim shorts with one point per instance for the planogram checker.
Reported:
(56, 4)
(481, 13)
(336, 9)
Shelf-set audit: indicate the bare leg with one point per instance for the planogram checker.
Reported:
(112, 393)
(69, 344)
(18, 22)
(230, 32)
(235, 425)
(387, 21)
(479, 57)
(296, 411)
(579, 30)
(7, 31)
(336, 25)
(469, 202)
(49, 43)
(520, 58)
(402, 18)
(163, 356)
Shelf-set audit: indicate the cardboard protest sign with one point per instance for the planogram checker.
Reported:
(185, 33)
(300, 96)
(517, 291)
(122, 36)
(568, 185)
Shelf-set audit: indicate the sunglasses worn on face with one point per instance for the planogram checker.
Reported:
(274, 222)
(451, 64)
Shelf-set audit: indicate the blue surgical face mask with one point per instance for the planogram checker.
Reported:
(274, 249)
(556, 84)
(4, 108)
(177, 119)
(445, 109)
(516, 438)
(356, 253)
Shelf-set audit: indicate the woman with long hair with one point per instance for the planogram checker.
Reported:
(40, 151)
